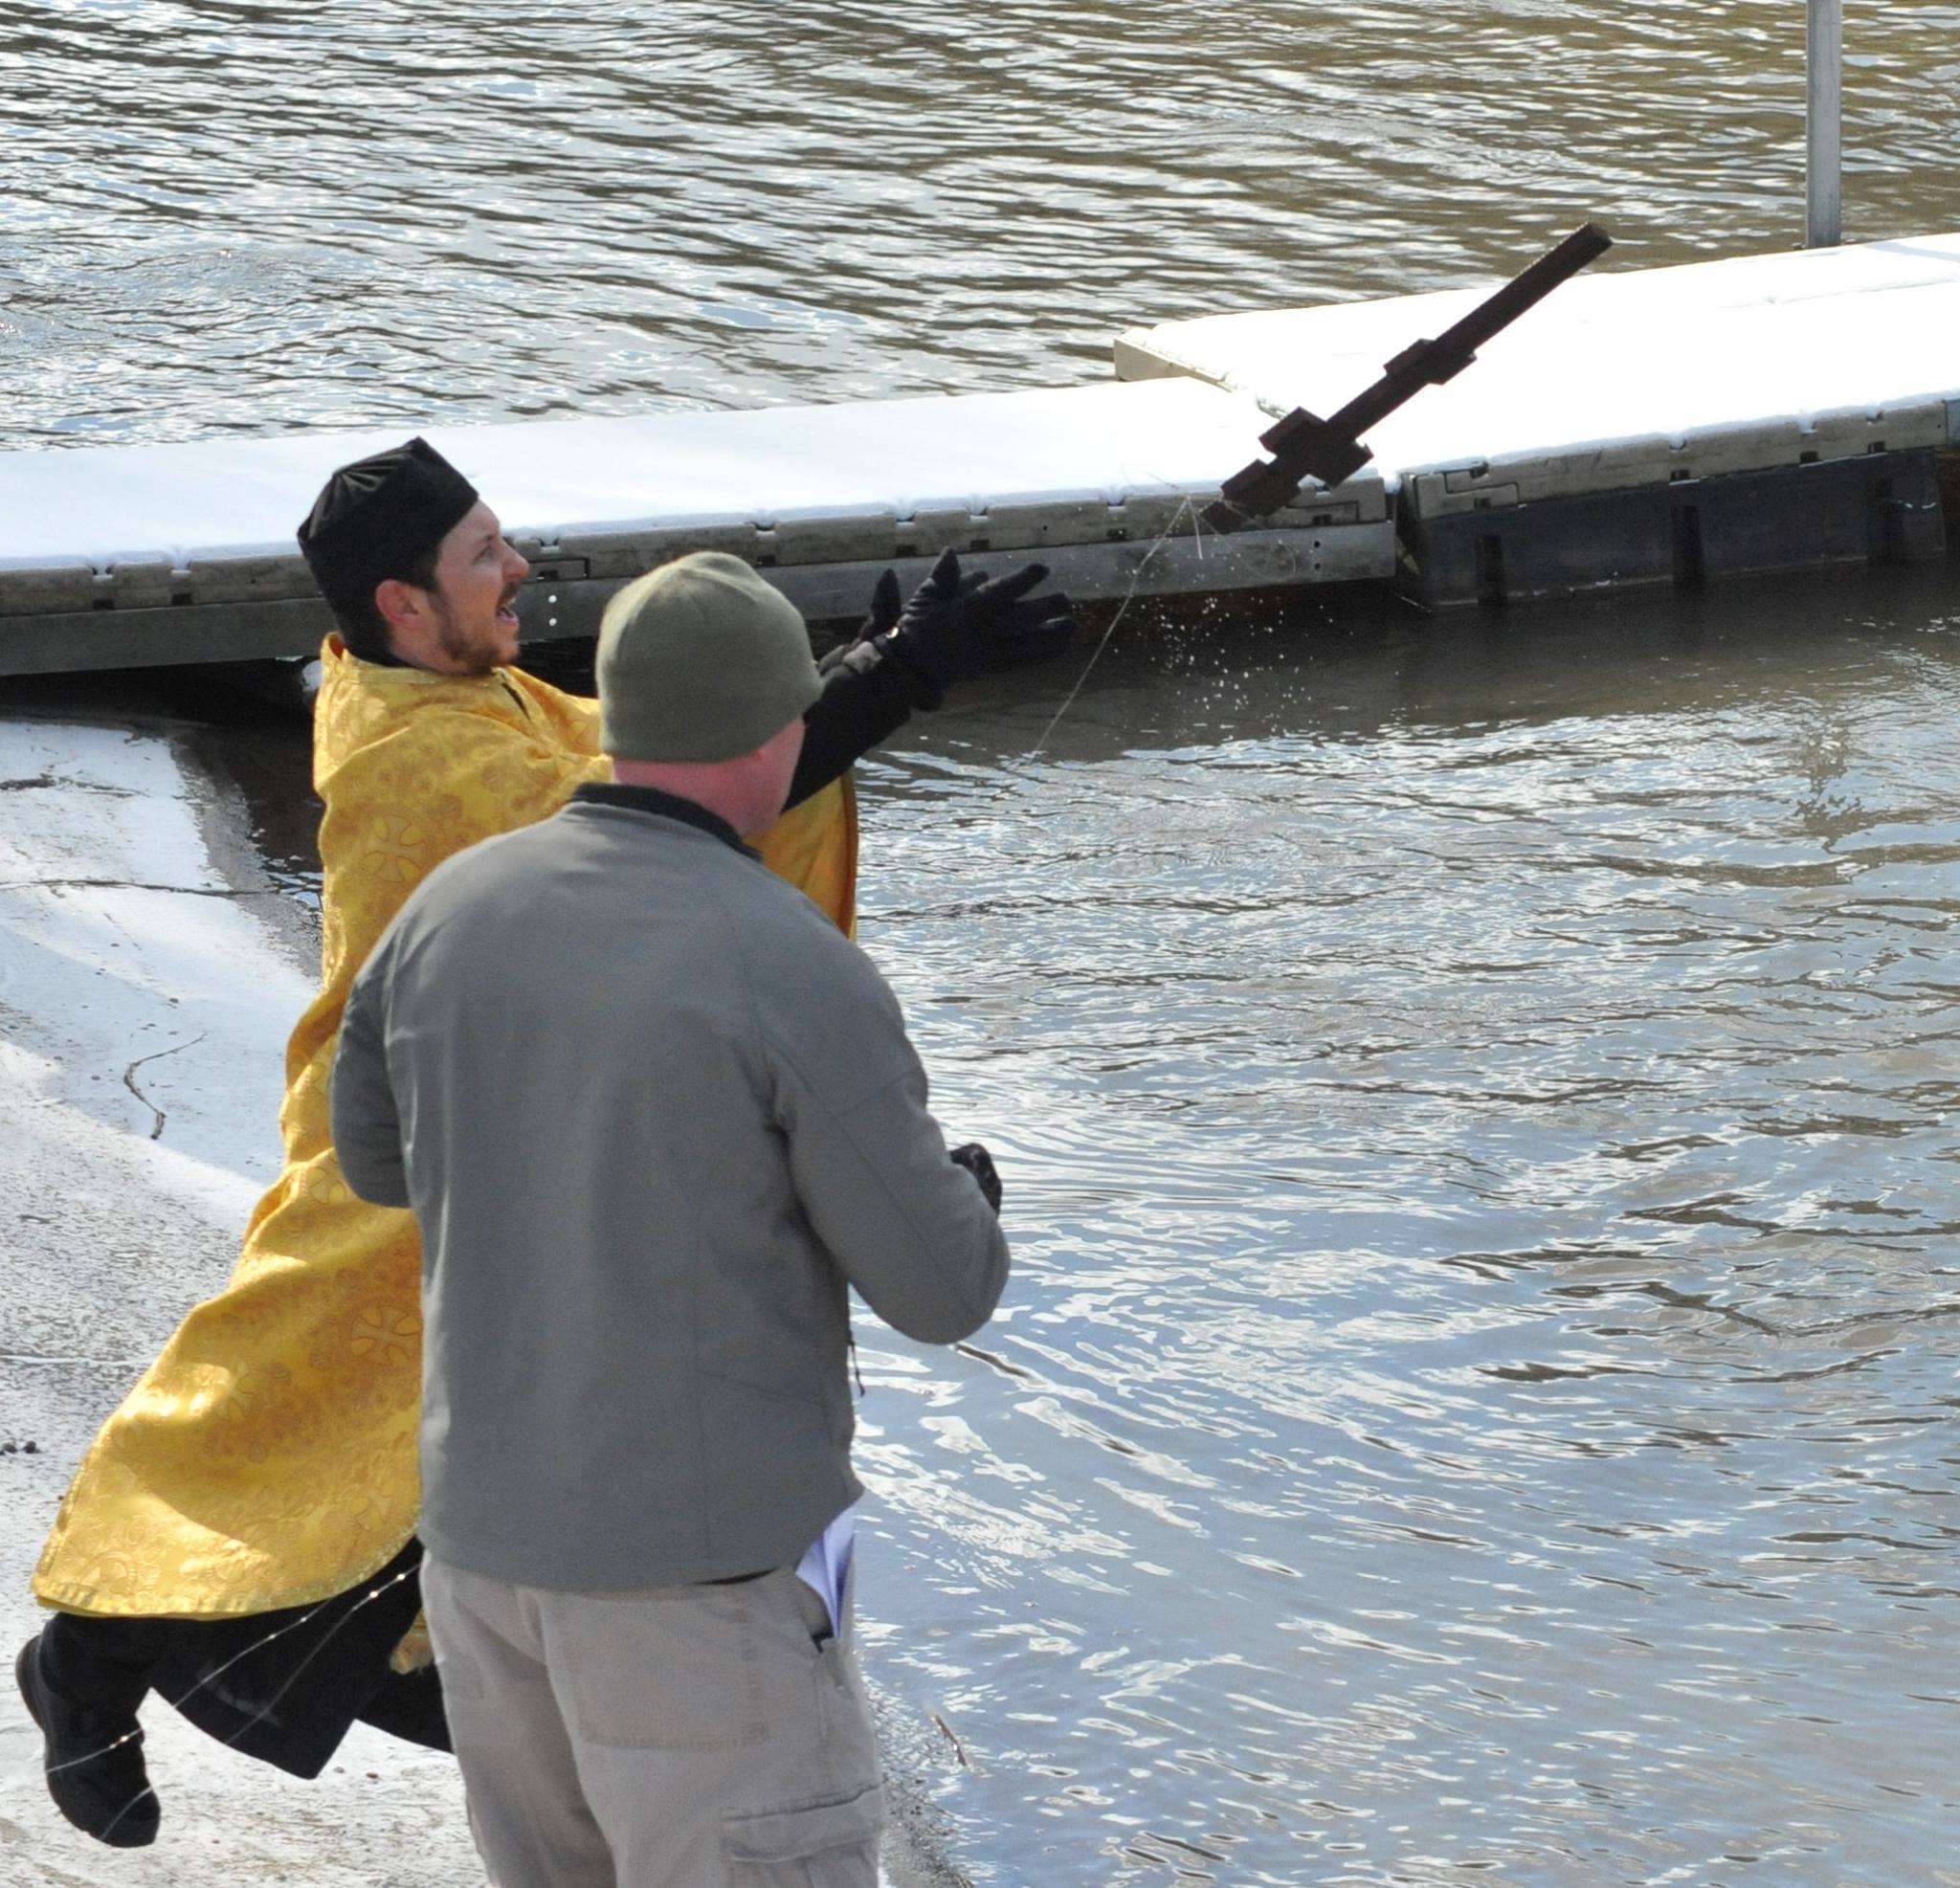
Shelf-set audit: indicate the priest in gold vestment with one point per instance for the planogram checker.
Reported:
(248, 1513)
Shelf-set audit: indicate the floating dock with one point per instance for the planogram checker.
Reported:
(1665, 426)
(148, 555)
(1644, 427)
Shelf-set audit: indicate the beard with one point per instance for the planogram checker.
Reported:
(472, 656)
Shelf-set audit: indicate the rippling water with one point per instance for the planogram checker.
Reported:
(1478, 1394)
(1475, 1402)
(223, 215)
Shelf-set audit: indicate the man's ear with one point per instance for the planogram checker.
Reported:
(401, 604)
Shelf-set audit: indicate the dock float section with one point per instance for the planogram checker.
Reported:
(1646, 428)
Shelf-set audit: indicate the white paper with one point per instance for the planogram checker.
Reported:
(826, 1568)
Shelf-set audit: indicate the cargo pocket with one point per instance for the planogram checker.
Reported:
(824, 1845)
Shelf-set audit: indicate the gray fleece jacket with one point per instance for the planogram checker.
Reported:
(653, 1112)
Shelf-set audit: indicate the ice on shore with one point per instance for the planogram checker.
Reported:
(145, 1004)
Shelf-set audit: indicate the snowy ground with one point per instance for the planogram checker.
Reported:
(149, 976)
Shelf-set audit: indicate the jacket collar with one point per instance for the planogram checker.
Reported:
(669, 805)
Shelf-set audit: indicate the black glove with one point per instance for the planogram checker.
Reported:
(884, 606)
(979, 1163)
(957, 627)
(859, 652)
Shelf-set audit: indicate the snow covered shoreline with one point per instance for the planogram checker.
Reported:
(149, 976)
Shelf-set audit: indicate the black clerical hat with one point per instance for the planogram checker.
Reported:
(379, 517)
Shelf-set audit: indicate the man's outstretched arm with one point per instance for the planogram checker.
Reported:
(907, 656)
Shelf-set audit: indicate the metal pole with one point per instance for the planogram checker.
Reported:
(1823, 194)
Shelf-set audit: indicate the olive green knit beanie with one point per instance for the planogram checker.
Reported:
(701, 660)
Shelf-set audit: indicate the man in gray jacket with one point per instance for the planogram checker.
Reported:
(654, 1113)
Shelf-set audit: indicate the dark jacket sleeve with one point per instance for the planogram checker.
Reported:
(367, 1124)
(866, 698)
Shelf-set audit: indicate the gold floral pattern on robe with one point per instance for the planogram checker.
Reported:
(268, 1457)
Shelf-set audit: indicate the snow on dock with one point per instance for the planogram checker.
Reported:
(129, 556)
(1650, 426)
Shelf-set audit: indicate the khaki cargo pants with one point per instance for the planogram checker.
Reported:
(685, 1736)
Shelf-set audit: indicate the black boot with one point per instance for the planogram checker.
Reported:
(93, 1759)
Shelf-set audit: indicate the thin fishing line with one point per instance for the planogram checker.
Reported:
(271, 1703)
(211, 1679)
(1186, 507)
(327, 1639)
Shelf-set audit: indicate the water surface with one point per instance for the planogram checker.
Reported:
(1477, 1398)
(231, 217)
